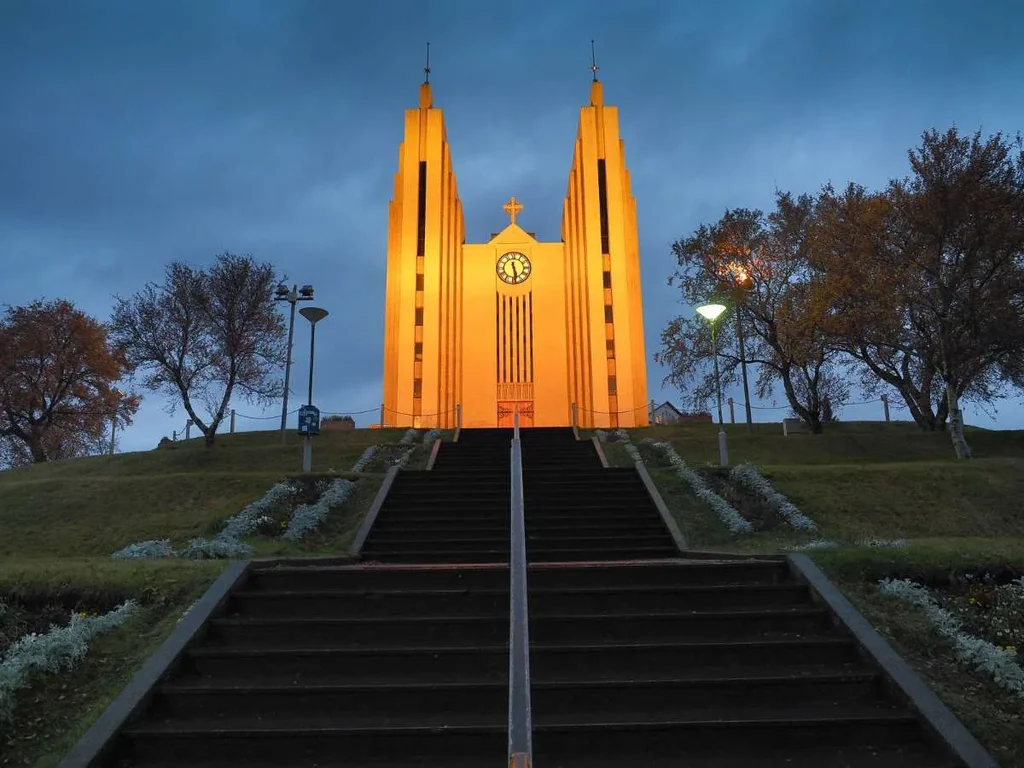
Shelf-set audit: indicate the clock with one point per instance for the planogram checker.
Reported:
(513, 268)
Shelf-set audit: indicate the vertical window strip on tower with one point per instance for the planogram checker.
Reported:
(517, 342)
(602, 193)
(421, 211)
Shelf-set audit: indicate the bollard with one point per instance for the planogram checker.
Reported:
(885, 405)
(732, 411)
(382, 416)
(458, 415)
(232, 421)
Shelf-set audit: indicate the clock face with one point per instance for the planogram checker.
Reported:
(513, 268)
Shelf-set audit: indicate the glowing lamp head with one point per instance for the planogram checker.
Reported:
(711, 311)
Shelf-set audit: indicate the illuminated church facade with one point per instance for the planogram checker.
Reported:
(476, 331)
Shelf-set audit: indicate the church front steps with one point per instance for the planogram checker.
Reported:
(455, 513)
(668, 663)
(339, 666)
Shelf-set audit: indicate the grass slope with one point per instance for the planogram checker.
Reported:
(60, 521)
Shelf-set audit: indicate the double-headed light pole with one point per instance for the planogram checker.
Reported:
(712, 312)
(296, 294)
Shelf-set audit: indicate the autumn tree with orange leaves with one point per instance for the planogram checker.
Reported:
(58, 383)
(757, 265)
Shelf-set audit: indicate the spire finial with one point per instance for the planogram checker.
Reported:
(593, 60)
(426, 69)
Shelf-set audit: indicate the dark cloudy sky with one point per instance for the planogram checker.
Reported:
(135, 132)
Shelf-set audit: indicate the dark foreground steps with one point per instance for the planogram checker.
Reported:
(339, 666)
(703, 663)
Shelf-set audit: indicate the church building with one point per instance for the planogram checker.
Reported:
(476, 331)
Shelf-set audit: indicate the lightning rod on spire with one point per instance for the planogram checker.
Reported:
(426, 69)
(593, 60)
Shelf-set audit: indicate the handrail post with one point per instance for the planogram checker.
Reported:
(575, 421)
(520, 729)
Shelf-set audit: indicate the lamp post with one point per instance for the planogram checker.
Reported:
(712, 312)
(296, 294)
(314, 315)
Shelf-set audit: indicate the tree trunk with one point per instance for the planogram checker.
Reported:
(35, 447)
(956, 423)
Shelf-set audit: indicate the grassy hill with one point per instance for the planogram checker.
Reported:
(59, 523)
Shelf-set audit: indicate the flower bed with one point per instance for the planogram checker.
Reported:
(725, 511)
(308, 517)
(747, 476)
(983, 621)
(59, 649)
(275, 512)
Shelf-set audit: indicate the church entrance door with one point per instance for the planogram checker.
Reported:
(507, 409)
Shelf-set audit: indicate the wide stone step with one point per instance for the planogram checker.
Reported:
(360, 577)
(295, 666)
(690, 658)
(298, 745)
(497, 534)
(639, 578)
(439, 556)
(372, 632)
(571, 528)
(412, 524)
(699, 597)
(594, 540)
(483, 542)
(564, 555)
(363, 705)
(365, 603)
(541, 519)
(657, 626)
(775, 729)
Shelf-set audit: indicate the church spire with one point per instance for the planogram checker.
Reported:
(596, 90)
(426, 97)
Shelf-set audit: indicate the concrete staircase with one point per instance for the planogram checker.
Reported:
(639, 656)
(703, 663)
(578, 510)
(456, 513)
(339, 666)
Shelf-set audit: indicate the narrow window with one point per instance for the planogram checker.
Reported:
(607, 279)
(417, 387)
(602, 193)
(419, 282)
(610, 348)
(419, 350)
(607, 314)
(611, 385)
(419, 315)
(421, 212)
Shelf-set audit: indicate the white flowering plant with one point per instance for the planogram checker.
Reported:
(997, 661)
(747, 476)
(145, 549)
(431, 436)
(410, 436)
(308, 517)
(725, 511)
(58, 650)
(367, 459)
(255, 517)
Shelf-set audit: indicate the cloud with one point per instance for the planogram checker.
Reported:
(137, 133)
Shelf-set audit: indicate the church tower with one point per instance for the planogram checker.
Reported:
(476, 331)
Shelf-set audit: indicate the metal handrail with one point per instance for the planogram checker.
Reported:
(520, 729)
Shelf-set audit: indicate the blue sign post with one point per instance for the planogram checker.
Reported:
(309, 420)
(309, 425)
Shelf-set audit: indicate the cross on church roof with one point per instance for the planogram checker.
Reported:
(512, 208)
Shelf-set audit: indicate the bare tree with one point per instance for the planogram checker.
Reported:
(204, 335)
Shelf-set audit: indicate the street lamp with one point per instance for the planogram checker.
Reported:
(295, 294)
(314, 315)
(712, 312)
